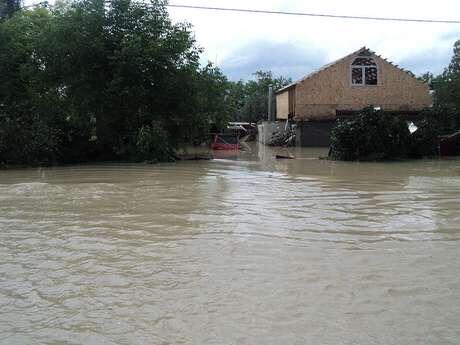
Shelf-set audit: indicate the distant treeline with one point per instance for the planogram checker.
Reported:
(94, 80)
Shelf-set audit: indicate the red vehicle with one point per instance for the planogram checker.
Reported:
(225, 142)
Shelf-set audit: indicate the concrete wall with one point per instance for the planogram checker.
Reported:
(320, 95)
(266, 129)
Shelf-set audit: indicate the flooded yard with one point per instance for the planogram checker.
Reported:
(240, 250)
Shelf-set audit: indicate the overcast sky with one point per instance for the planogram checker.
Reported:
(241, 43)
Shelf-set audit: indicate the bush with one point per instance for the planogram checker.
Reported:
(445, 119)
(372, 135)
(424, 141)
(153, 144)
(27, 141)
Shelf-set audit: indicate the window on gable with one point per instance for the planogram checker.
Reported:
(356, 76)
(364, 71)
(371, 75)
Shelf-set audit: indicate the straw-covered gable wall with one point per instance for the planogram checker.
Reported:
(318, 96)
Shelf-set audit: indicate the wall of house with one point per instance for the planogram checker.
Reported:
(314, 133)
(319, 96)
(282, 105)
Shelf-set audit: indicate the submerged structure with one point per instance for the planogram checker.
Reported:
(346, 86)
(449, 145)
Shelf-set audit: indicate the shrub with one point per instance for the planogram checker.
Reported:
(372, 135)
(424, 141)
(445, 119)
(27, 141)
(153, 144)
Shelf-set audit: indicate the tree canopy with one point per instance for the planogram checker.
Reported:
(447, 84)
(445, 114)
(88, 79)
(9, 7)
(249, 100)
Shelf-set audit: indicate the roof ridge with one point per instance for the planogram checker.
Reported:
(324, 67)
(397, 66)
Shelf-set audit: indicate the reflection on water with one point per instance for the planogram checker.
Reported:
(244, 249)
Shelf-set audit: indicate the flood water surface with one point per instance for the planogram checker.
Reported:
(237, 250)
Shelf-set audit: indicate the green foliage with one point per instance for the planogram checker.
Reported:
(152, 143)
(31, 129)
(427, 78)
(89, 76)
(249, 100)
(424, 141)
(447, 85)
(9, 7)
(443, 118)
(372, 135)
(23, 141)
(207, 92)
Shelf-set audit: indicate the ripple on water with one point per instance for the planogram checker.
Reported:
(231, 251)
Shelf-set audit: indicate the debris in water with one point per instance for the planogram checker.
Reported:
(283, 157)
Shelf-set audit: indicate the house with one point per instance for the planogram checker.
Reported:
(344, 87)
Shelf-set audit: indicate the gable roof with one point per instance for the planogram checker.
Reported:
(357, 52)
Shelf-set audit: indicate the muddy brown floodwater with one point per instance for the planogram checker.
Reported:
(239, 250)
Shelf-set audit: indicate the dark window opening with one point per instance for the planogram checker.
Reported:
(356, 76)
(363, 62)
(364, 71)
(371, 75)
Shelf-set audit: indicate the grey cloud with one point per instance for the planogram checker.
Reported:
(433, 60)
(291, 60)
(451, 36)
(286, 59)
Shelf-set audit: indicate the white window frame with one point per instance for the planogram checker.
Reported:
(363, 73)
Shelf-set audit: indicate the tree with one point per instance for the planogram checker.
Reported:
(447, 85)
(98, 80)
(9, 7)
(454, 66)
(427, 78)
(444, 116)
(30, 125)
(250, 99)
